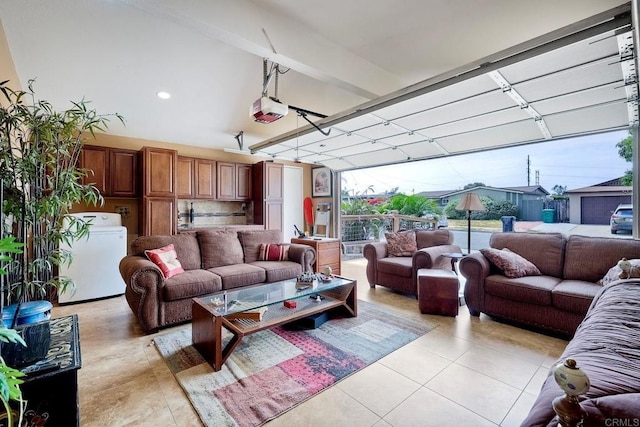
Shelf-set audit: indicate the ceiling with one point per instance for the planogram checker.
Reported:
(399, 81)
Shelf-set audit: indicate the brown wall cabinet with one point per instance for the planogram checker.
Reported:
(185, 177)
(114, 170)
(159, 213)
(205, 179)
(234, 181)
(268, 189)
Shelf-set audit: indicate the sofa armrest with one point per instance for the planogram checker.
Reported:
(475, 268)
(431, 257)
(303, 255)
(144, 282)
(373, 252)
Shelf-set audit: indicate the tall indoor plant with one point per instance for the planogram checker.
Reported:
(39, 165)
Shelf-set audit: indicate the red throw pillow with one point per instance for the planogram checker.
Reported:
(274, 252)
(167, 259)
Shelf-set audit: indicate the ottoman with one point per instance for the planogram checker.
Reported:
(438, 292)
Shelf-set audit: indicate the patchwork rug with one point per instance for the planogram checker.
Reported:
(274, 370)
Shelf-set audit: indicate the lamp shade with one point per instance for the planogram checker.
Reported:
(470, 202)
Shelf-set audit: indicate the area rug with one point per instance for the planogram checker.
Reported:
(274, 370)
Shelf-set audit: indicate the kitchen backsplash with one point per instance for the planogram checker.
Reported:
(208, 213)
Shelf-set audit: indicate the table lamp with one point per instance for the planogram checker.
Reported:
(470, 202)
(574, 382)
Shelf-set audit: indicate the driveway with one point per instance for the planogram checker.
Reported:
(581, 229)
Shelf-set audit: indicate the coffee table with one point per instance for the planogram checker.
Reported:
(211, 312)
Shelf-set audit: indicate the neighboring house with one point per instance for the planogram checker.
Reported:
(594, 204)
(529, 199)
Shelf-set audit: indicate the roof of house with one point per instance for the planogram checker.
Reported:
(532, 189)
(611, 186)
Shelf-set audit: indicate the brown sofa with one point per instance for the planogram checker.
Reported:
(606, 346)
(400, 273)
(558, 299)
(213, 260)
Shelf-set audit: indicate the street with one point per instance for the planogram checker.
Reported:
(479, 239)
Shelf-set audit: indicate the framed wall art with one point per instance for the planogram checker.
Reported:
(321, 182)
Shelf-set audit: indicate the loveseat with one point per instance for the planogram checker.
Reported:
(557, 299)
(400, 272)
(212, 260)
(606, 346)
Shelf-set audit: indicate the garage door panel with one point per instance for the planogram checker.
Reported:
(597, 209)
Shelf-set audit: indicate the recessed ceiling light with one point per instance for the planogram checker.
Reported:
(163, 95)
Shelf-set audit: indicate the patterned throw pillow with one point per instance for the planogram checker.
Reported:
(274, 252)
(402, 243)
(167, 259)
(614, 272)
(512, 264)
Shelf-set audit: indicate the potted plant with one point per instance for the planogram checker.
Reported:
(10, 378)
(39, 154)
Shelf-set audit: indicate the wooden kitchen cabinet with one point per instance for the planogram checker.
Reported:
(205, 179)
(327, 252)
(234, 181)
(159, 216)
(185, 177)
(268, 188)
(159, 172)
(115, 171)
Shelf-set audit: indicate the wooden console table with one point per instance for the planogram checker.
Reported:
(327, 252)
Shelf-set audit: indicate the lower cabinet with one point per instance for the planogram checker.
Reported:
(160, 216)
(327, 252)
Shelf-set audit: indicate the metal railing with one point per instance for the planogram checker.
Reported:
(358, 230)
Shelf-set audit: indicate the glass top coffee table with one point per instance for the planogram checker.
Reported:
(246, 310)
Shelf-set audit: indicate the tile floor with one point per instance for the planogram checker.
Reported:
(466, 372)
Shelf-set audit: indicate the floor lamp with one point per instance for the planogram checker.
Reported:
(469, 202)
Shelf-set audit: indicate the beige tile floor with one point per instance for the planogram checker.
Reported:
(467, 371)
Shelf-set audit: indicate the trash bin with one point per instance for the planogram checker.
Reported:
(548, 216)
(508, 223)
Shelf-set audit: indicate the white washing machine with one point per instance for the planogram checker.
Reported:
(96, 257)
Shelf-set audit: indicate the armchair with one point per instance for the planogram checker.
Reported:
(399, 273)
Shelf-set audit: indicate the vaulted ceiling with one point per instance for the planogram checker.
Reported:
(399, 80)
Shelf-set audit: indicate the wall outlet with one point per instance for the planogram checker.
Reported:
(122, 210)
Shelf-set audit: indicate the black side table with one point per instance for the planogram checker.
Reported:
(51, 385)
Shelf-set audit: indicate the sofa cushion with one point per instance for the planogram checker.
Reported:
(574, 295)
(279, 270)
(512, 264)
(530, 289)
(402, 243)
(397, 266)
(166, 259)
(544, 250)
(429, 238)
(220, 248)
(589, 258)
(237, 275)
(185, 244)
(191, 284)
(252, 239)
(274, 252)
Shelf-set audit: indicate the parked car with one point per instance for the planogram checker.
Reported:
(622, 219)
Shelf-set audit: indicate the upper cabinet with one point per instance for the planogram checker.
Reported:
(205, 179)
(234, 181)
(185, 177)
(159, 166)
(114, 170)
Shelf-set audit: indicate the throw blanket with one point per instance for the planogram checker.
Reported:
(606, 346)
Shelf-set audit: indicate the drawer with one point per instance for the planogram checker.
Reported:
(327, 246)
(335, 268)
(329, 257)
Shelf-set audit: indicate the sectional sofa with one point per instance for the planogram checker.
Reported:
(212, 260)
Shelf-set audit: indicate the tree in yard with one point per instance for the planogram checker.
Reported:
(559, 189)
(474, 185)
(625, 150)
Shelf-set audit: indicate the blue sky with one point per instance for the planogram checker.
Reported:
(574, 163)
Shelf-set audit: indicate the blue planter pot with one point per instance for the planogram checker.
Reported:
(33, 325)
(30, 312)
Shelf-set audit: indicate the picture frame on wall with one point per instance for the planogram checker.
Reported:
(321, 182)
